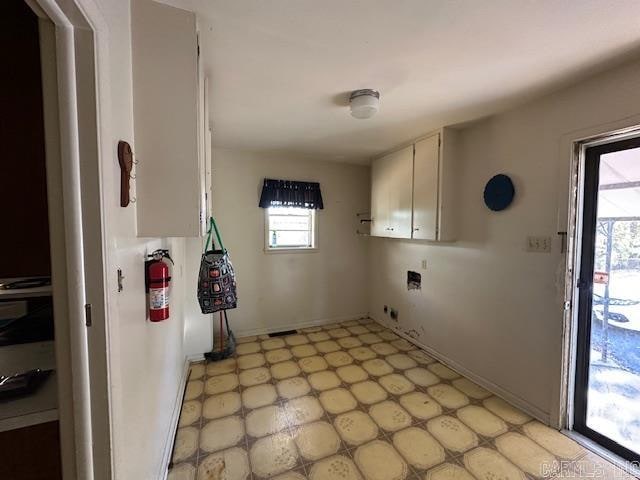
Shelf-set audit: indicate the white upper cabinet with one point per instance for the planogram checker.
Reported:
(391, 178)
(167, 102)
(412, 190)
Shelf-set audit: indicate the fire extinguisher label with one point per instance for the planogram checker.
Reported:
(158, 298)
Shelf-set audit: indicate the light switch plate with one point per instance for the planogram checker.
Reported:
(538, 244)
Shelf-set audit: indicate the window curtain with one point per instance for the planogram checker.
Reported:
(288, 193)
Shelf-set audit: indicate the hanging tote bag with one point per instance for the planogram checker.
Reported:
(216, 280)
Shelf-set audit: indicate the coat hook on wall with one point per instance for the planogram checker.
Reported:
(125, 160)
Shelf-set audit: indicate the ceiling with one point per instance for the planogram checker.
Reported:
(281, 70)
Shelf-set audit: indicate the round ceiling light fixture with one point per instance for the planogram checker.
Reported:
(364, 103)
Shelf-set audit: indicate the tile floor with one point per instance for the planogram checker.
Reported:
(354, 401)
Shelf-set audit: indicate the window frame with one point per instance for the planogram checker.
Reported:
(292, 249)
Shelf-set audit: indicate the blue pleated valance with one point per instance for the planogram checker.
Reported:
(288, 193)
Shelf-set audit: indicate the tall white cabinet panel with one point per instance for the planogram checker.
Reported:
(380, 197)
(166, 120)
(425, 188)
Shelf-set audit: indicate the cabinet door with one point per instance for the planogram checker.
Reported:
(425, 188)
(399, 178)
(380, 197)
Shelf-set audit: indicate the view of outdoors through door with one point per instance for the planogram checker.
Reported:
(610, 398)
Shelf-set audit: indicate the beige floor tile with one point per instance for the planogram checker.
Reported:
(303, 410)
(390, 416)
(273, 344)
(449, 471)
(554, 441)
(418, 448)
(247, 339)
(294, 340)
(232, 464)
(327, 346)
(356, 427)
(316, 440)
(526, 454)
(452, 433)
(358, 330)
(338, 400)
(482, 421)
(337, 467)
(420, 405)
(378, 460)
(366, 321)
(403, 345)
(369, 338)
(318, 336)
(332, 326)
(374, 327)
(388, 335)
(401, 361)
(254, 376)
(293, 387)
(311, 329)
(292, 475)
(362, 353)
(221, 383)
(194, 389)
(339, 333)
(263, 337)
(350, 323)
(352, 373)
(595, 467)
(186, 443)
(377, 367)
(421, 357)
(221, 366)
(246, 348)
(324, 380)
(313, 364)
(196, 371)
(384, 348)
(278, 355)
(485, 463)
(443, 371)
(286, 369)
(301, 351)
(266, 421)
(421, 377)
(183, 471)
(471, 389)
(349, 342)
(220, 434)
(506, 411)
(368, 392)
(252, 360)
(221, 405)
(272, 455)
(259, 396)
(448, 396)
(338, 359)
(396, 384)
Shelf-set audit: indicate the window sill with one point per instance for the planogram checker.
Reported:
(290, 250)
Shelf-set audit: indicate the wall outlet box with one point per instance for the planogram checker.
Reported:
(538, 244)
(394, 314)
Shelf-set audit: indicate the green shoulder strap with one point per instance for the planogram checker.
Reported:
(213, 228)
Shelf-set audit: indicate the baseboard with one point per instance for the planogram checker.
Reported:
(298, 325)
(199, 357)
(173, 426)
(506, 395)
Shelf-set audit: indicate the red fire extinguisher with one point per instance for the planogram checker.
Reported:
(158, 278)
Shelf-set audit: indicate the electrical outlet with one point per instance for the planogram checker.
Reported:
(424, 264)
(539, 244)
(386, 309)
(394, 314)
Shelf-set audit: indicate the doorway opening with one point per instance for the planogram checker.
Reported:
(606, 400)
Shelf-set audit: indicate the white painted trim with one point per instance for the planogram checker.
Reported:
(173, 425)
(510, 397)
(298, 325)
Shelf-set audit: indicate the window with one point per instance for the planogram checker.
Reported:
(290, 228)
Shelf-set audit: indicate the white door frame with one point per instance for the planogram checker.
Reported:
(73, 37)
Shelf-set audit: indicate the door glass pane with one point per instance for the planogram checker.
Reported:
(613, 406)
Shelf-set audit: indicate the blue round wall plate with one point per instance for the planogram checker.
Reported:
(499, 192)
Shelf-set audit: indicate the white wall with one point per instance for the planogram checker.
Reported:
(147, 360)
(486, 304)
(285, 290)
